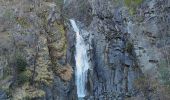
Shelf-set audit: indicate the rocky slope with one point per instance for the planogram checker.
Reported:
(127, 43)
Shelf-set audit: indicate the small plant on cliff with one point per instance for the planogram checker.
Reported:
(21, 64)
(132, 5)
(59, 2)
(133, 2)
(129, 47)
(23, 75)
(22, 21)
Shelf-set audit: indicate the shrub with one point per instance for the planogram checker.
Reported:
(132, 5)
(22, 21)
(59, 2)
(23, 77)
(129, 47)
(133, 2)
(21, 64)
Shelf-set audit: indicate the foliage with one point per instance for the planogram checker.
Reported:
(21, 64)
(23, 77)
(61, 45)
(116, 2)
(133, 2)
(34, 93)
(44, 75)
(129, 47)
(59, 2)
(22, 21)
(27, 92)
(60, 28)
(132, 5)
(24, 33)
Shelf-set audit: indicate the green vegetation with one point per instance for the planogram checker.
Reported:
(27, 92)
(132, 5)
(24, 77)
(24, 33)
(129, 47)
(59, 2)
(21, 64)
(22, 21)
(57, 46)
(44, 75)
(116, 2)
(60, 28)
(133, 2)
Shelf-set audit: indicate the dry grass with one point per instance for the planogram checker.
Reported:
(149, 86)
(65, 72)
(27, 91)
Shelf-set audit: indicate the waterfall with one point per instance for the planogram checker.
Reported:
(82, 65)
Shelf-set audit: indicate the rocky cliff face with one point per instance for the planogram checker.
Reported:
(127, 44)
(33, 37)
(123, 38)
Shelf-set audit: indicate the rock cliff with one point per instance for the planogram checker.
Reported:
(127, 43)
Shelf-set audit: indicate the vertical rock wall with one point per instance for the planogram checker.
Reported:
(123, 39)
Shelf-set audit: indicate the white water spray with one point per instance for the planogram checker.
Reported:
(82, 64)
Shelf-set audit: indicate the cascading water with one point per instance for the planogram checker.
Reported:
(82, 64)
